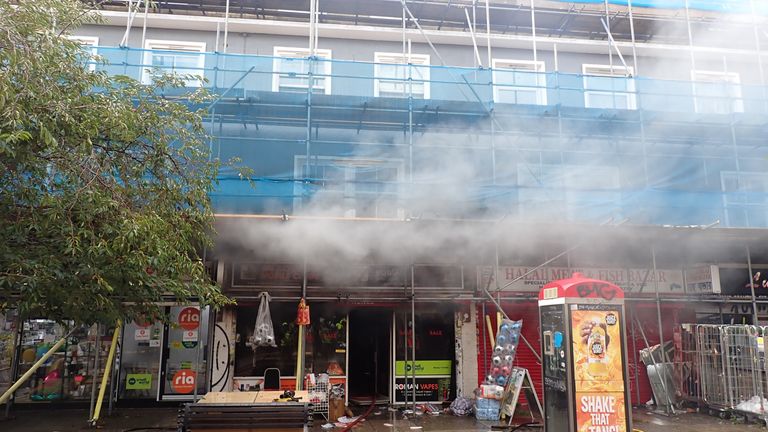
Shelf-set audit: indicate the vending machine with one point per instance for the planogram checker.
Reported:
(583, 347)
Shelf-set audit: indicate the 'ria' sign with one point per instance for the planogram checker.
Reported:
(189, 318)
(183, 381)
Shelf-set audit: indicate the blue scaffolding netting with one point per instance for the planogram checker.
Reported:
(726, 6)
(452, 142)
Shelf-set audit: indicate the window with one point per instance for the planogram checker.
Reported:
(351, 187)
(717, 92)
(745, 198)
(609, 87)
(291, 67)
(400, 75)
(183, 58)
(88, 42)
(519, 82)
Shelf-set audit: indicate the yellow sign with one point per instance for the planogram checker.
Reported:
(598, 371)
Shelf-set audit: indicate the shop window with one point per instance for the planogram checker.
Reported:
(609, 87)
(326, 341)
(68, 373)
(291, 70)
(89, 44)
(399, 75)
(435, 352)
(183, 58)
(355, 187)
(717, 92)
(519, 82)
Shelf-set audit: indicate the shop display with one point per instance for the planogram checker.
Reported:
(264, 331)
(504, 353)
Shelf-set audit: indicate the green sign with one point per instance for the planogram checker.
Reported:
(138, 382)
(424, 367)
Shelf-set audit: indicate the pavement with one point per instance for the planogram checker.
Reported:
(159, 419)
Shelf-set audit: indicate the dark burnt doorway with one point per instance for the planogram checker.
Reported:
(370, 354)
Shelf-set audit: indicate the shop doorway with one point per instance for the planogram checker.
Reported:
(370, 355)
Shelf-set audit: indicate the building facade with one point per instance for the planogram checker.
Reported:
(420, 165)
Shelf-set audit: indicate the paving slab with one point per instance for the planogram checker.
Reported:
(159, 419)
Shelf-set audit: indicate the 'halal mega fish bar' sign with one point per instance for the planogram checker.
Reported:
(630, 280)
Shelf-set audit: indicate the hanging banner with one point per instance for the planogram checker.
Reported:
(636, 281)
(598, 370)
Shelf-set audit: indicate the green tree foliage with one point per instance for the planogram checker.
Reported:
(104, 182)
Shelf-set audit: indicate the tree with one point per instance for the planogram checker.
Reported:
(104, 181)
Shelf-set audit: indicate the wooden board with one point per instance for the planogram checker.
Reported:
(248, 397)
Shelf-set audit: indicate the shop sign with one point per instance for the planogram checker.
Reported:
(427, 389)
(138, 382)
(424, 367)
(630, 280)
(598, 371)
(703, 280)
(189, 338)
(183, 381)
(189, 318)
(154, 343)
(141, 334)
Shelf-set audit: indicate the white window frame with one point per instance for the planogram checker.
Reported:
(89, 42)
(524, 66)
(602, 70)
(299, 162)
(301, 53)
(153, 45)
(714, 77)
(380, 58)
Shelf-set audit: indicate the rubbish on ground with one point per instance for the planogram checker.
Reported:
(377, 413)
(389, 425)
(754, 405)
(327, 426)
(415, 427)
(461, 406)
(346, 419)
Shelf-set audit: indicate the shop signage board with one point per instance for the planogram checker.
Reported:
(138, 381)
(424, 368)
(703, 279)
(630, 280)
(598, 370)
(427, 389)
(189, 318)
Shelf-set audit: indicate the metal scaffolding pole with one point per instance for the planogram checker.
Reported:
(472, 35)
(488, 32)
(690, 36)
(607, 25)
(752, 286)
(226, 28)
(664, 358)
(413, 332)
(144, 24)
(632, 35)
(533, 32)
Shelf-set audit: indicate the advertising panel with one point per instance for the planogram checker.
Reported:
(424, 367)
(427, 389)
(598, 370)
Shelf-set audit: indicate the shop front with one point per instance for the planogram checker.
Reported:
(367, 348)
(155, 361)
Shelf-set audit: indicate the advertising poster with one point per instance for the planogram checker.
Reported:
(427, 389)
(598, 371)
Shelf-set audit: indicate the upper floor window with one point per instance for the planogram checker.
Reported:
(609, 87)
(399, 75)
(183, 58)
(519, 82)
(89, 43)
(351, 187)
(745, 198)
(292, 70)
(717, 92)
